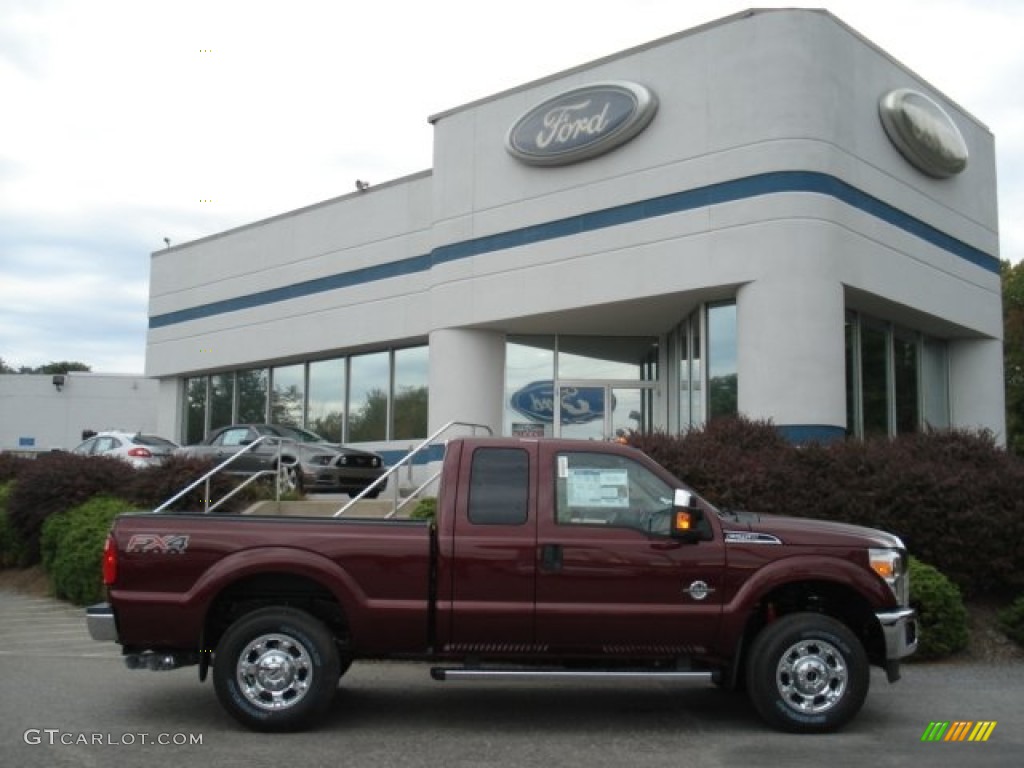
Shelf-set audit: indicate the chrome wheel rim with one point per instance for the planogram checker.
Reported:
(274, 672)
(812, 676)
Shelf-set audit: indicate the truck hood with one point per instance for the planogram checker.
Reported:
(802, 531)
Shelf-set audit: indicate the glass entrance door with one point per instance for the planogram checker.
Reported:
(589, 410)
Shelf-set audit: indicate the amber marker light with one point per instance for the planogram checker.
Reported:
(684, 521)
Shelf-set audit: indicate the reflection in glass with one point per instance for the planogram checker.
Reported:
(581, 412)
(905, 382)
(607, 357)
(222, 400)
(287, 398)
(631, 410)
(722, 366)
(935, 383)
(874, 380)
(529, 377)
(409, 411)
(368, 397)
(252, 395)
(326, 405)
(195, 409)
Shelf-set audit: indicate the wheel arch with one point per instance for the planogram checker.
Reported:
(837, 600)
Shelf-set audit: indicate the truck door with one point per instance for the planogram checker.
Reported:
(610, 580)
(493, 566)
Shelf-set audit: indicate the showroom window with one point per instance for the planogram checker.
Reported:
(287, 395)
(368, 397)
(586, 387)
(409, 394)
(325, 412)
(712, 328)
(897, 380)
(386, 394)
(252, 395)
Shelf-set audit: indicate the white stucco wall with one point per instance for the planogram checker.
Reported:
(35, 416)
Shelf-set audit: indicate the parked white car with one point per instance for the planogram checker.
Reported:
(137, 449)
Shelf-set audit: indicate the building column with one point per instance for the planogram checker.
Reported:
(791, 355)
(977, 386)
(467, 377)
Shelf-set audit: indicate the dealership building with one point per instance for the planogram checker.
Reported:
(765, 215)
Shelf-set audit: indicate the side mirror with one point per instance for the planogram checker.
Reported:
(686, 517)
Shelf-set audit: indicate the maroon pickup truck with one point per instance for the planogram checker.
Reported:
(548, 558)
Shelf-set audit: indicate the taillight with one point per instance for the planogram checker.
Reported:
(109, 562)
(140, 453)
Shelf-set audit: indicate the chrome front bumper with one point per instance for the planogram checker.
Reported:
(899, 628)
(99, 619)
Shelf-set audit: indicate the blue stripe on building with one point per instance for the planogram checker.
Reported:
(678, 202)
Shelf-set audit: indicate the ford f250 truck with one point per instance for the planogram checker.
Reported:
(547, 558)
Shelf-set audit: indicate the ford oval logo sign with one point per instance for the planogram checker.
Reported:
(923, 133)
(577, 405)
(581, 123)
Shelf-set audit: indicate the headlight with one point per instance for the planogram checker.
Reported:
(891, 565)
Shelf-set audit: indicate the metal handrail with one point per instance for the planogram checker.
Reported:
(406, 460)
(206, 478)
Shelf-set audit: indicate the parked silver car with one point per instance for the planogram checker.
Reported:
(308, 461)
(137, 449)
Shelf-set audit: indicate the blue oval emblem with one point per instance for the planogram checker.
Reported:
(578, 405)
(581, 123)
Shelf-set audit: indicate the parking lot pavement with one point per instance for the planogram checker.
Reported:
(41, 626)
(72, 702)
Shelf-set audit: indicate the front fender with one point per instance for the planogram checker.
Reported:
(797, 569)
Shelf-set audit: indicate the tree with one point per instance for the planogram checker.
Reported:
(1013, 353)
(65, 366)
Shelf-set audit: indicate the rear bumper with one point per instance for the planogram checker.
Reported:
(101, 623)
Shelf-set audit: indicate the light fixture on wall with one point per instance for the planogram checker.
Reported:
(59, 381)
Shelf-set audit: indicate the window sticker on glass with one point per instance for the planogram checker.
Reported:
(608, 488)
(563, 466)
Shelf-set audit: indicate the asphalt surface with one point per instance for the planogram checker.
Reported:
(68, 701)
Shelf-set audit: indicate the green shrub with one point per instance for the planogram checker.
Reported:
(72, 543)
(941, 614)
(12, 549)
(1011, 621)
(425, 509)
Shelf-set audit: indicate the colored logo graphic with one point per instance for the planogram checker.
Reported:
(577, 405)
(959, 730)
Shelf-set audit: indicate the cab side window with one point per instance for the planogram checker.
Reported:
(499, 486)
(606, 489)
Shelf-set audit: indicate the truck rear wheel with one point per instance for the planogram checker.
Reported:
(807, 673)
(276, 669)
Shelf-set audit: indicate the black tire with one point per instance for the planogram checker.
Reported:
(807, 673)
(276, 669)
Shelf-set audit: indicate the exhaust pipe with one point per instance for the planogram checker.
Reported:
(160, 662)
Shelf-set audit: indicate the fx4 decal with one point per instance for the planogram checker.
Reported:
(172, 544)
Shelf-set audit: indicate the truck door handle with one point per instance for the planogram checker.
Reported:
(551, 557)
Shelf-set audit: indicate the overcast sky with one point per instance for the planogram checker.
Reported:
(123, 122)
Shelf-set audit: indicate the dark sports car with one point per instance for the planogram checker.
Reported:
(307, 460)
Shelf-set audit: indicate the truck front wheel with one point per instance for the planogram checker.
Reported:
(276, 669)
(807, 673)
